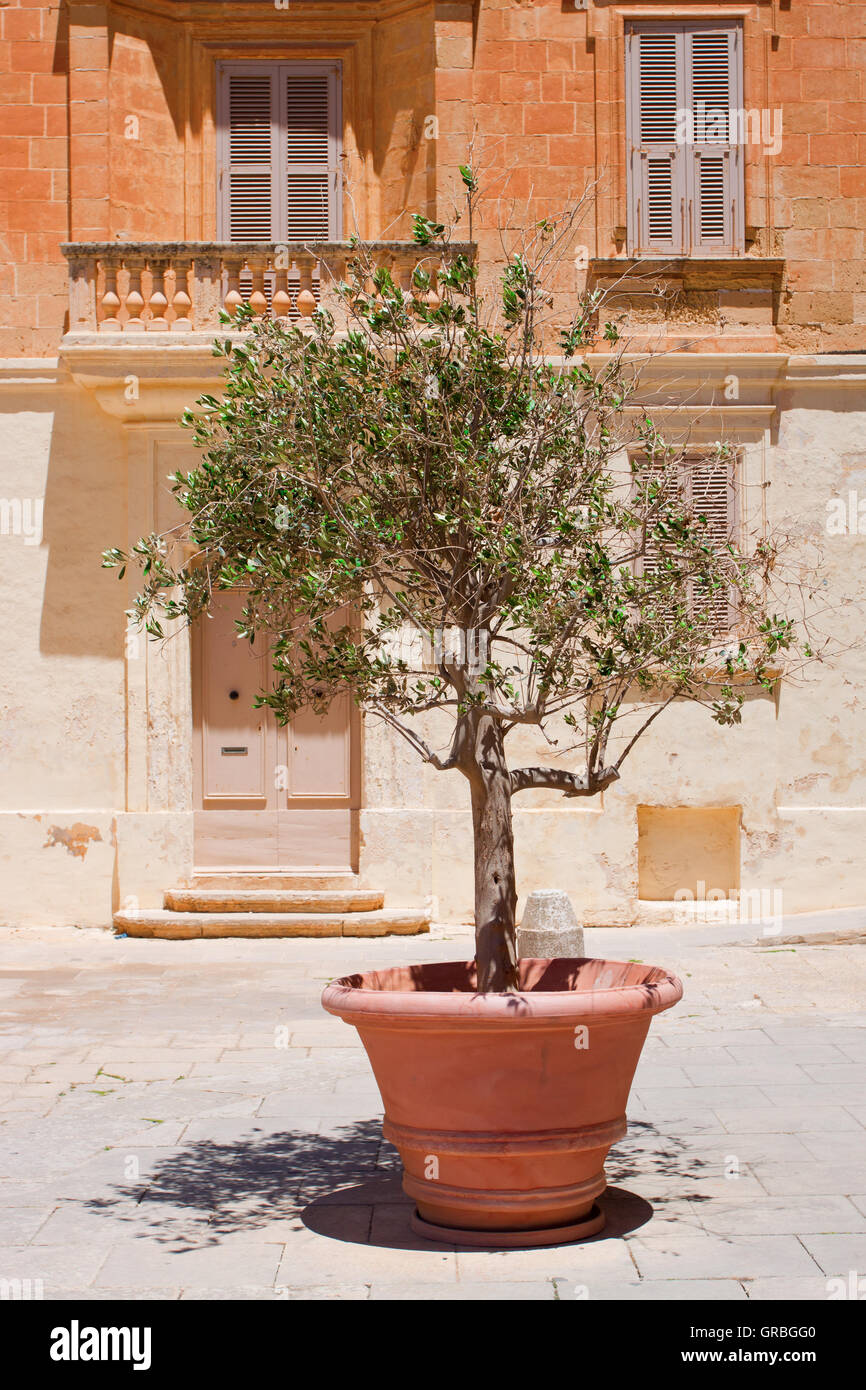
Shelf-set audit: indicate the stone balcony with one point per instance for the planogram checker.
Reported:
(181, 287)
(143, 315)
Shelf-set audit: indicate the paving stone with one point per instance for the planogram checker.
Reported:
(19, 1225)
(716, 1150)
(802, 1054)
(781, 1289)
(848, 1146)
(160, 1294)
(603, 1258)
(782, 1215)
(764, 1073)
(706, 1257)
(654, 1290)
(136, 1264)
(54, 1264)
(787, 1119)
(337, 1252)
(835, 1253)
(818, 1179)
(277, 1294)
(464, 1292)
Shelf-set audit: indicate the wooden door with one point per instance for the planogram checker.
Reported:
(269, 797)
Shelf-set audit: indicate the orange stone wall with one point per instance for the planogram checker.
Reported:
(107, 133)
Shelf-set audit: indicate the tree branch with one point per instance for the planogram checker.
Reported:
(569, 783)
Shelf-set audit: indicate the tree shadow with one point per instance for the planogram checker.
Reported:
(345, 1185)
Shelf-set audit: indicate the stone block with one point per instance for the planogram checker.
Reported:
(549, 929)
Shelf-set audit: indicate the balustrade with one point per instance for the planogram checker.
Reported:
(181, 287)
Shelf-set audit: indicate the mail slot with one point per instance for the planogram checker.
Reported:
(233, 752)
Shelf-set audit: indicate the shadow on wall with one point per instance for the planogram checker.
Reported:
(85, 511)
(386, 116)
(82, 491)
(345, 1185)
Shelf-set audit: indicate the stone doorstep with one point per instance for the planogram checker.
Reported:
(171, 925)
(273, 900)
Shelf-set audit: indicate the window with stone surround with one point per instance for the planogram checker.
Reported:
(707, 485)
(278, 152)
(685, 128)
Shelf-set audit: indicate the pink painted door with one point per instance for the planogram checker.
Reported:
(270, 797)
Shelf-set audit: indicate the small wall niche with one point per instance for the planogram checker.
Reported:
(688, 850)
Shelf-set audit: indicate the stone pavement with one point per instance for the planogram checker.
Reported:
(181, 1120)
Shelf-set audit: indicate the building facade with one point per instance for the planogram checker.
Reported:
(164, 158)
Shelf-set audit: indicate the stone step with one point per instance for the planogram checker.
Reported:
(274, 880)
(180, 925)
(272, 900)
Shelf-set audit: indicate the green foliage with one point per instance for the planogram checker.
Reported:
(427, 468)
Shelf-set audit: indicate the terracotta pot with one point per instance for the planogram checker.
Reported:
(503, 1107)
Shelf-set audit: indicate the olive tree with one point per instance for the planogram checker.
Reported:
(435, 466)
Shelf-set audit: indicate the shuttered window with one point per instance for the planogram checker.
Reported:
(278, 150)
(708, 485)
(683, 122)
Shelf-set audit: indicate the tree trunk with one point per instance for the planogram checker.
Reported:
(495, 894)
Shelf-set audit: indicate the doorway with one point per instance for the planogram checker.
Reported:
(269, 797)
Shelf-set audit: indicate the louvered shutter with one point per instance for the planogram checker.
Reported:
(713, 496)
(708, 486)
(713, 171)
(656, 94)
(653, 561)
(249, 107)
(311, 154)
(685, 176)
(279, 151)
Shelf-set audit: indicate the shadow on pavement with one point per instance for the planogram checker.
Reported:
(345, 1184)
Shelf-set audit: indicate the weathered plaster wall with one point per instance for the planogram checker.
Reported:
(795, 767)
(62, 725)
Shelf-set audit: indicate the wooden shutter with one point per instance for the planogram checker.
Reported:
(311, 152)
(713, 496)
(278, 150)
(713, 171)
(685, 180)
(250, 154)
(707, 484)
(656, 165)
(653, 562)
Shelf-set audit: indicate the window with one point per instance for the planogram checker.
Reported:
(706, 484)
(278, 151)
(684, 127)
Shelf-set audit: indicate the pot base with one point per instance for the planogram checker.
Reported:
(511, 1240)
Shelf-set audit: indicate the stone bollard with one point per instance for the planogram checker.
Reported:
(549, 929)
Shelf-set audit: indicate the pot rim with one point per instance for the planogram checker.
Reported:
(349, 999)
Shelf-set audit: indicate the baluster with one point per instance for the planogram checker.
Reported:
(110, 302)
(306, 300)
(234, 299)
(281, 303)
(258, 300)
(134, 296)
(207, 289)
(157, 302)
(433, 297)
(403, 267)
(180, 300)
(82, 294)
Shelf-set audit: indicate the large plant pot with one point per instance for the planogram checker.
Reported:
(503, 1107)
